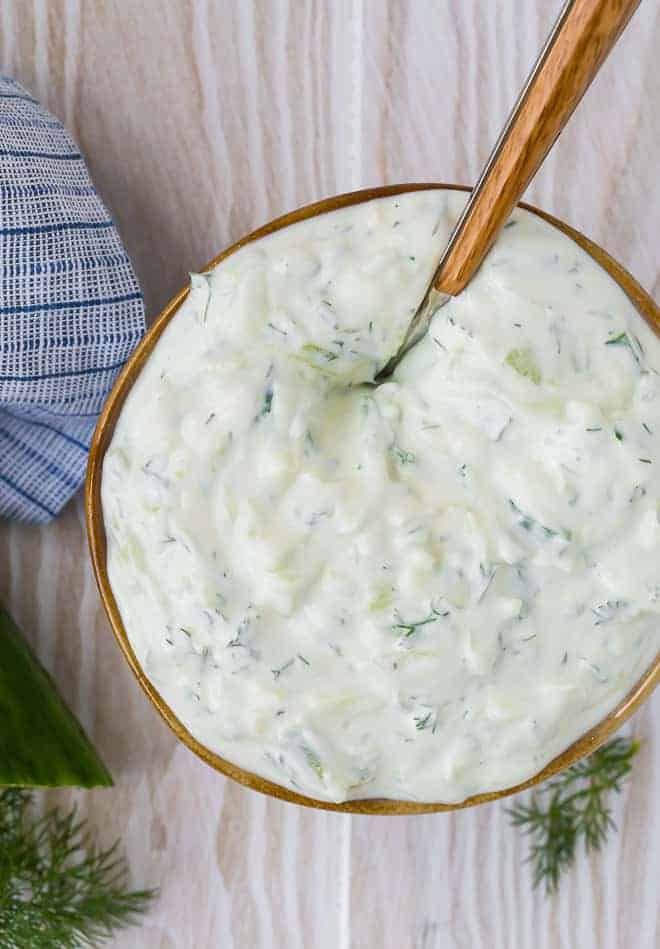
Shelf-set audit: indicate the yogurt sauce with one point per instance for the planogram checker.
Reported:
(421, 590)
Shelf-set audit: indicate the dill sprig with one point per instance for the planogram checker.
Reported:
(571, 807)
(56, 888)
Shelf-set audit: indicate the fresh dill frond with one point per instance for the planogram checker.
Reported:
(56, 888)
(573, 807)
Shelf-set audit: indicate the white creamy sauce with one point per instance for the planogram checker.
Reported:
(421, 590)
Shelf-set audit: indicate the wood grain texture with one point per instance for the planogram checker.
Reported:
(201, 120)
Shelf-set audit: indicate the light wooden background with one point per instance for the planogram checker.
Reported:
(201, 120)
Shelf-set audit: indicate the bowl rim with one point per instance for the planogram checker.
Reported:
(584, 745)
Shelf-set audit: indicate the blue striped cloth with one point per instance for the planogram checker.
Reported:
(71, 310)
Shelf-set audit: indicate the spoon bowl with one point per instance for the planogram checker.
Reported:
(98, 542)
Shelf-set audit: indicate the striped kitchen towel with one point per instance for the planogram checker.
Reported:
(71, 310)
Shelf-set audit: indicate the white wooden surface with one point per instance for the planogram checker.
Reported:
(202, 119)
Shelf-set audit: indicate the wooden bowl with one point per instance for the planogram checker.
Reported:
(97, 539)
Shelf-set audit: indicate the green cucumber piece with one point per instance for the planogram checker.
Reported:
(41, 743)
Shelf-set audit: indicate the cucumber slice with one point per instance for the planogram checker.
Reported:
(41, 743)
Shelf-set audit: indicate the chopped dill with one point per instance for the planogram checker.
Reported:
(309, 445)
(423, 722)
(277, 329)
(405, 457)
(487, 576)
(267, 403)
(410, 628)
(594, 669)
(327, 354)
(621, 339)
(529, 523)
(638, 492)
(629, 341)
(238, 638)
(278, 672)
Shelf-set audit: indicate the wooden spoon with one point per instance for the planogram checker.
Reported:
(579, 43)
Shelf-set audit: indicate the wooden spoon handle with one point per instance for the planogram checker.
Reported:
(584, 34)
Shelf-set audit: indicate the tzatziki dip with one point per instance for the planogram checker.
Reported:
(420, 590)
